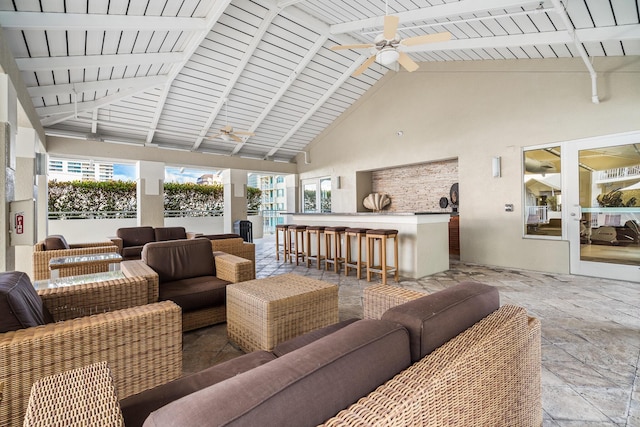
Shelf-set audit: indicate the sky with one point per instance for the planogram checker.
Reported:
(124, 172)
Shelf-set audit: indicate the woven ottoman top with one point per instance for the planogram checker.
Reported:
(280, 287)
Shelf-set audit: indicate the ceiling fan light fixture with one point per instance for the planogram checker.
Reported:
(387, 56)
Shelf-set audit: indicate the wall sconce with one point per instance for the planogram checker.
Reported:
(495, 166)
(338, 183)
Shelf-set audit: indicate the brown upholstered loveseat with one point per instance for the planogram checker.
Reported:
(190, 274)
(131, 240)
(453, 357)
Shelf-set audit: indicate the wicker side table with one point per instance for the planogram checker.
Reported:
(380, 298)
(79, 397)
(264, 312)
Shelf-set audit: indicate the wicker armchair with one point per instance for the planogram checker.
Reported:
(229, 268)
(42, 256)
(142, 343)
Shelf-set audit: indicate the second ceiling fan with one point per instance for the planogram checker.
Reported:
(387, 43)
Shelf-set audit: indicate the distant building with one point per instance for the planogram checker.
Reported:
(79, 170)
(209, 179)
(274, 200)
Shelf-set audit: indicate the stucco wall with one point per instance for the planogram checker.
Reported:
(472, 111)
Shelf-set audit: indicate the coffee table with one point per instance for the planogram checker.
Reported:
(80, 279)
(84, 264)
(264, 312)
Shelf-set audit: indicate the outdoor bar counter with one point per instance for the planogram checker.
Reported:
(423, 242)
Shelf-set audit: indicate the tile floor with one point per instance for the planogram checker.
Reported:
(590, 334)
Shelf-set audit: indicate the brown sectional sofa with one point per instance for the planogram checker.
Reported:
(131, 240)
(453, 357)
(190, 274)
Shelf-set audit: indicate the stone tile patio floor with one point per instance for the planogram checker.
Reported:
(590, 333)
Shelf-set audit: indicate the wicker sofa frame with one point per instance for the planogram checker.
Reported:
(41, 258)
(142, 343)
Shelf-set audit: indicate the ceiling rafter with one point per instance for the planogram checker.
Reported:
(98, 85)
(318, 104)
(627, 32)
(97, 22)
(256, 39)
(58, 113)
(283, 89)
(432, 13)
(196, 39)
(48, 63)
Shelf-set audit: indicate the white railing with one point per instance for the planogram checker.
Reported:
(619, 173)
(537, 215)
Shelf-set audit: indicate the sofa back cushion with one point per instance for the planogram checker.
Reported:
(223, 236)
(20, 304)
(436, 318)
(136, 236)
(179, 259)
(301, 388)
(55, 242)
(169, 233)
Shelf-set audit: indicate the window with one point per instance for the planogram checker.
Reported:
(316, 195)
(542, 192)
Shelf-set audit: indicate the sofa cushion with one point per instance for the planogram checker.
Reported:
(179, 259)
(195, 293)
(137, 407)
(169, 233)
(20, 304)
(322, 377)
(436, 318)
(136, 236)
(55, 242)
(304, 339)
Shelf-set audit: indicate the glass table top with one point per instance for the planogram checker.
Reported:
(78, 280)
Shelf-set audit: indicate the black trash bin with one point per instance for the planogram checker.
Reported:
(245, 229)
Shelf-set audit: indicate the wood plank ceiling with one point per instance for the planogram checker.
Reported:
(172, 73)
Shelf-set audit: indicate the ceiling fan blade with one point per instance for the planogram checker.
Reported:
(364, 66)
(236, 138)
(242, 132)
(407, 62)
(214, 136)
(390, 26)
(427, 38)
(352, 46)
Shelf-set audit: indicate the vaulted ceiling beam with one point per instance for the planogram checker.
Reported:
(194, 42)
(239, 69)
(96, 22)
(48, 63)
(626, 32)
(283, 89)
(465, 7)
(99, 85)
(319, 103)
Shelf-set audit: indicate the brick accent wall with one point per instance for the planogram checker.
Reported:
(417, 188)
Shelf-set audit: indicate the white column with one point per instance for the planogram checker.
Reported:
(8, 126)
(293, 193)
(26, 189)
(235, 197)
(150, 193)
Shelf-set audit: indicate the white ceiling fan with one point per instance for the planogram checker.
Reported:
(386, 45)
(228, 133)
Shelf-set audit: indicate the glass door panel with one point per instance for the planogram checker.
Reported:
(605, 216)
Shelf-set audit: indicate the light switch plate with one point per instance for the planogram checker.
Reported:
(508, 207)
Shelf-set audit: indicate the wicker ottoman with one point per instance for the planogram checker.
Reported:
(380, 298)
(264, 312)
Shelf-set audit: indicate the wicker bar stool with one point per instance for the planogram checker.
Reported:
(318, 231)
(333, 247)
(381, 236)
(349, 260)
(282, 228)
(296, 242)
